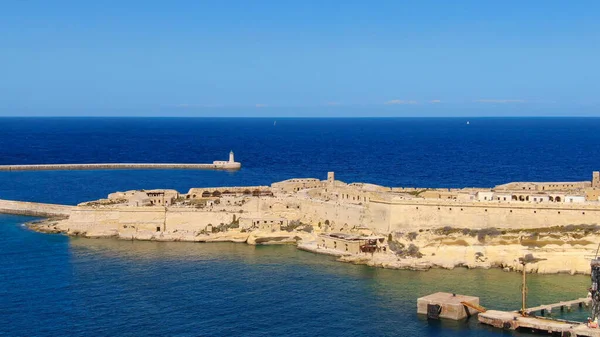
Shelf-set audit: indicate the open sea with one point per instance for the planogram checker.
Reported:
(52, 285)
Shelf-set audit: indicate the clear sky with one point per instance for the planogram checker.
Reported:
(299, 58)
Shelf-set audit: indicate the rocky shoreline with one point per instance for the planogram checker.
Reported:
(561, 249)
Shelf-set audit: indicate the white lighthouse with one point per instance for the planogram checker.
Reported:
(231, 164)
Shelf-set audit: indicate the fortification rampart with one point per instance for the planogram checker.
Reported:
(33, 208)
(410, 214)
(151, 218)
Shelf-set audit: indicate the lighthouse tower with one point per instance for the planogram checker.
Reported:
(231, 160)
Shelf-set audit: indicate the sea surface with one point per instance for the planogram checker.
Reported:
(52, 285)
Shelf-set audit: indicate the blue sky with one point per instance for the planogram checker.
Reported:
(299, 58)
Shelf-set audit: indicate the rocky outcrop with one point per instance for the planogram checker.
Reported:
(558, 249)
(55, 226)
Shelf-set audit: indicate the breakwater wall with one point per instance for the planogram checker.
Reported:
(33, 208)
(119, 166)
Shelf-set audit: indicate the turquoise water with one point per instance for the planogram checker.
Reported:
(51, 285)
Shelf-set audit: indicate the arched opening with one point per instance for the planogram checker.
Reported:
(515, 198)
(256, 193)
(205, 194)
(521, 198)
(216, 194)
(557, 199)
(527, 198)
(247, 192)
(551, 198)
(188, 196)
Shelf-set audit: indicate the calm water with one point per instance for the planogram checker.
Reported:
(52, 285)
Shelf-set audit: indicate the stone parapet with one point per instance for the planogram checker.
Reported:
(33, 208)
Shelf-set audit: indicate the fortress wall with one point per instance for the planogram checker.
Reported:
(404, 216)
(144, 218)
(149, 218)
(379, 215)
(33, 208)
(194, 220)
(340, 214)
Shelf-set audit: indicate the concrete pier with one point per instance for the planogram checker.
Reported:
(514, 321)
(118, 166)
(567, 305)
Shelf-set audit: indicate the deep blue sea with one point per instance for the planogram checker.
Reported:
(52, 285)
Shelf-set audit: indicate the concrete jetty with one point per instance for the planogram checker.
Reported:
(33, 208)
(515, 321)
(229, 165)
(566, 305)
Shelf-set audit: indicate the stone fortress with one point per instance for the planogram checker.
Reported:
(341, 206)
(352, 219)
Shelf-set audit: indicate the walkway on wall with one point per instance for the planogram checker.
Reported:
(33, 208)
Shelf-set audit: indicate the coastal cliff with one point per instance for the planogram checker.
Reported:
(562, 249)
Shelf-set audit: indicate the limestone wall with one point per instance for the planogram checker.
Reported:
(33, 208)
(197, 220)
(408, 215)
(149, 218)
(337, 213)
(142, 218)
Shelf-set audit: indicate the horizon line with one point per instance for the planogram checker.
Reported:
(303, 117)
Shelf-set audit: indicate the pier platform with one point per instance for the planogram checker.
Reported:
(567, 305)
(514, 321)
(447, 305)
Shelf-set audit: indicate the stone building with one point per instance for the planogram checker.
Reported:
(295, 185)
(352, 244)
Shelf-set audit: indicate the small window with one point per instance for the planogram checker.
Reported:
(158, 229)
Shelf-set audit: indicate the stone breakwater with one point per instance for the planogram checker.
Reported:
(119, 166)
(34, 208)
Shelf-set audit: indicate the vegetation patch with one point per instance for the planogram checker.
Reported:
(580, 242)
(402, 251)
(532, 243)
(459, 242)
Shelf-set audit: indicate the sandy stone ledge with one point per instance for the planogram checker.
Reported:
(568, 253)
